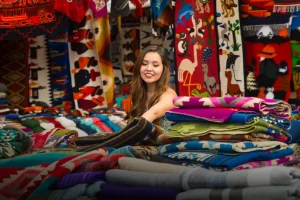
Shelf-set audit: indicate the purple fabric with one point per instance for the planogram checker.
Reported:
(263, 106)
(117, 192)
(73, 179)
(210, 114)
(98, 10)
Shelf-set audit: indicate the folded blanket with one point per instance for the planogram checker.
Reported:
(221, 147)
(225, 162)
(294, 136)
(189, 129)
(130, 178)
(13, 141)
(291, 192)
(263, 106)
(264, 163)
(120, 192)
(230, 116)
(163, 139)
(70, 180)
(138, 165)
(139, 131)
(195, 178)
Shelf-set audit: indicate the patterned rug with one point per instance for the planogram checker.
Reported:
(14, 71)
(39, 82)
(196, 48)
(231, 58)
(87, 84)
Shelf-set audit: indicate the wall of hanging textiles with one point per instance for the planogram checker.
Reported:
(217, 48)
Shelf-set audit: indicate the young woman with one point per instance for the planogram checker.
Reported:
(150, 92)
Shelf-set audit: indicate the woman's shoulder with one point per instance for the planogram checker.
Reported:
(170, 92)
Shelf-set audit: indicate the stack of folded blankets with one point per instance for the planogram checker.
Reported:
(227, 133)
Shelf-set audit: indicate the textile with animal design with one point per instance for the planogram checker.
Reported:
(221, 147)
(137, 34)
(102, 38)
(39, 77)
(268, 64)
(230, 48)
(264, 106)
(88, 91)
(60, 75)
(196, 48)
(295, 45)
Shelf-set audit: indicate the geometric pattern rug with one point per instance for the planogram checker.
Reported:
(14, 71)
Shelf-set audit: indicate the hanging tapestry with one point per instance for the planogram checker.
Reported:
(231, 58)
(86, 79)
(39, 76)
(261, 12)
(14, 71)
(101, 29)
(295, 44)
(268, 63)
(196, 48)
(59, 66)
(26, 18)
(130, 43)
(289, 6)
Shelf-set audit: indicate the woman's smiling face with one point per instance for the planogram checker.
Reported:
(151, 68)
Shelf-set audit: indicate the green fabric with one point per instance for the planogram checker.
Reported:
(204, 128)
(33, 124)
(13, 141)
(29, 160)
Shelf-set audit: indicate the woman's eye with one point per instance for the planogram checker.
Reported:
(144, 63)
(156, 65)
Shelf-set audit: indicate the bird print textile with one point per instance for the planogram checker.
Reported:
(230, 48)
(196, 48)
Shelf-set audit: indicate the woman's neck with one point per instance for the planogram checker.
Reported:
(151, 88)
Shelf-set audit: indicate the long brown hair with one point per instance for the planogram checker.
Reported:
(138, 88)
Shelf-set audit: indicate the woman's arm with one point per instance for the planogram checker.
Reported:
(164, 104)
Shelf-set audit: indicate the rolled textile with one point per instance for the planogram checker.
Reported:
(291, 192)
(130, 178)
(139, 165)
(121, 192)
(195, 178)
(13, 141)
(263, 106)
(70, 180)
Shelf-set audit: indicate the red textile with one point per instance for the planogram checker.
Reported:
(74, 9)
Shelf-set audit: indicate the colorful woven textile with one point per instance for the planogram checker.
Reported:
(231, 58)
(39, 179)
(263, 106)
(102, 37)
(196, 48)
(39, 82)
(13, 141)
(189, 129)
(88, 91)
(224, 161)
(221, 147)
(14, 71)
(265, 163)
